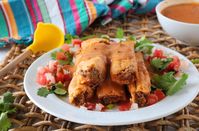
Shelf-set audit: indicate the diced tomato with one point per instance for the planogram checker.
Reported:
(52, 65)
(125, 106)
(65, 47)
(60, 56)
(59, 77)
(149, 58)
(41, 79)
(158, 53)
(67, 77)
(160, 94)
(43, 70)
(90, 106)
(76, 42)
(174, 65)
(152, 99)
(50, 78)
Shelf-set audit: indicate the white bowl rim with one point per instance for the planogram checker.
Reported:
(180, 22)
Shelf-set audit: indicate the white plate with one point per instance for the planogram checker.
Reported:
(62, 109)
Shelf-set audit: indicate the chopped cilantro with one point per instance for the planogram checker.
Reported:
(160, 64)
(53, 55)
(177, 85)
(132, 37)
(110, 106)
(168, 83)
(164, 81)
(43, 92)
(60, 91)
(144, 45)
(5, 123)
(119, 33)
(69, 37)
(195, 61)
(68, 55)
(6, 108)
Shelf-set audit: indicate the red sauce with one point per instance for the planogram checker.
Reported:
(188, 13)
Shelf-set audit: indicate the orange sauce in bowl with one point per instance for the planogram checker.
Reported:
(188, 12)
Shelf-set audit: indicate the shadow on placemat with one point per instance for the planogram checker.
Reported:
(31, 118)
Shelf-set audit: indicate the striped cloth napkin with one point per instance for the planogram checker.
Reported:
(19, 18)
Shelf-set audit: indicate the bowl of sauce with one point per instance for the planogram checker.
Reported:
(180, 19)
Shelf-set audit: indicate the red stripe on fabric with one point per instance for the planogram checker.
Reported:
(76, 16)
(118, 7)
(5, 20)
(39, 15)
(87, 12)
(60, 10)
(31, 12)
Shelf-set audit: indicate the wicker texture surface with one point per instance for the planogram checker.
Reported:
(30, 118)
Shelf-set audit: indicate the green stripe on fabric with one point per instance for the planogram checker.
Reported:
(44, 11)
(82, 13)
(3, 26)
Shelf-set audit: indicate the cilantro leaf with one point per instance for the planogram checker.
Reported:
(132, 37)
(142, 41)
(43, 92)
(119, 33)
(160, 64)
(69, 57)
(195, 61)
(53, 55)
(5, 108)
(69, 37)
(8, 97)
(177, 85)
(144, 45)
(59, 85)
(164, 81)
(110, 106)
(60, 91)
(5, 123)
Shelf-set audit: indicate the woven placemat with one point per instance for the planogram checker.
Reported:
(30, 118)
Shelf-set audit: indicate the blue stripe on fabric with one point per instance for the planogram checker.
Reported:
(148, 7)
(68, 17)
(101, 9)
(21, 18)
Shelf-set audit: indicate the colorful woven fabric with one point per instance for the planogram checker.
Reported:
(18, 18)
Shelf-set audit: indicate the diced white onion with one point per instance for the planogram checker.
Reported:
(134, 106)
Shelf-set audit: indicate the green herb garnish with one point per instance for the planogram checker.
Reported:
(53, 55)
(168, 83)
(119, 33)
(6, 108)
(144, 45)
(60, 91)
(68, 55)
(43, 92)
(110, 106)
(195, 61)
(55, 88)
(69, 37)
(177, 85)
(160, 64)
